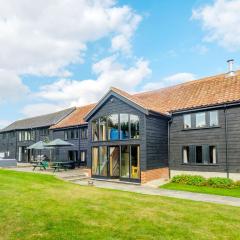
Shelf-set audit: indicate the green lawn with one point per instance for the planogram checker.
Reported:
(235, 192)
(39, 207)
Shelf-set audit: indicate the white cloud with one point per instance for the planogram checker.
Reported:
(11, 87)
(40, 108)
(44, 37)
(4, 123)
(109, 73)
(170, 81)
(221, 21)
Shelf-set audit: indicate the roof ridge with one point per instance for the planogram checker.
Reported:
(187, 83)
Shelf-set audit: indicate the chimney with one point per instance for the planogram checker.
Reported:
(230, 73)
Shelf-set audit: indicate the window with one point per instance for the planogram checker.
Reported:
(83, 156)
(114, 127)
(65, 135)
(95, 128)
(186, 154)
(125, 150)
(113, 132)
(44, 132)
(124, 133)
(84, 133)
(213, 121)
(95, 167)
(212, 155)
(103, 129)
(199, 155)
(26, 136)
(134, 126)
(71, 134)
(187, 121)
(135, 169)
(200, 119)
(72, 156)
(103, 160)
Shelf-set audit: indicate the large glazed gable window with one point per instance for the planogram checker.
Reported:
(124, 123)
(187, 121)
(201, 119)
(213, 118)
(134, 126)
(121, 126)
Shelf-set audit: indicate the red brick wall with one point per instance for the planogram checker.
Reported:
(153, 174)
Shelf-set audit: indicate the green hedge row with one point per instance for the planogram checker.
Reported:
(196, 180)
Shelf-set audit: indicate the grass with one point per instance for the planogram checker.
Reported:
(34, 206)
(234, 192)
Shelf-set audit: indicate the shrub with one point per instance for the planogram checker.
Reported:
(237, 184)
(189, 180)
(219, 182)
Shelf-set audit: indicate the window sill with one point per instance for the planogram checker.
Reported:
(199, 164)
(117, 140)
(189, 129)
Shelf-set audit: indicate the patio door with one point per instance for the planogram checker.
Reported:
(114, 161)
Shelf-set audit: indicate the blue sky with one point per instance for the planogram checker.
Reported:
(134, 45)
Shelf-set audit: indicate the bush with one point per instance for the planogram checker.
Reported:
(219, 182)
(189, 180)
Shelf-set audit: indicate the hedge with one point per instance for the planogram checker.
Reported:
(196, 180)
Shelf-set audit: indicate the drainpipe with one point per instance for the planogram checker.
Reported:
(169, 122)
(226, 139)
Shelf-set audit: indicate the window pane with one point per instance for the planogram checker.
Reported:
(125, 150)
(72, 134)
(76, 133)
(83, 156)
(95, 125)
(103, 129)
(114, 161)
(212, 155)
(113, 133)
(199, 158)
(187, 121)
(103, 160)
(201, 119)
(95, 167)
(124, 134)
(135, 162)
(213, 118)
(186, 152)
(134, 124)
(65, 135)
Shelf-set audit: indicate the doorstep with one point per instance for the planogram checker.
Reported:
(116, 181)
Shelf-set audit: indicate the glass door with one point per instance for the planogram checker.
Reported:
(114, 161)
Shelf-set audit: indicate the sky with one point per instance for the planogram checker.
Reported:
(57, 54)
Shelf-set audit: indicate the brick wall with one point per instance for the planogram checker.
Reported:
(153, 174)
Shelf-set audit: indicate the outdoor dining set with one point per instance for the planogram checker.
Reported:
(43, 164)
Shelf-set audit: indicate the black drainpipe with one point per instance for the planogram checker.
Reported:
(226, 140)
(169, 122)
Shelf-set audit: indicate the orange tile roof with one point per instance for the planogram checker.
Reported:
(75, 118)
(210, 91)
